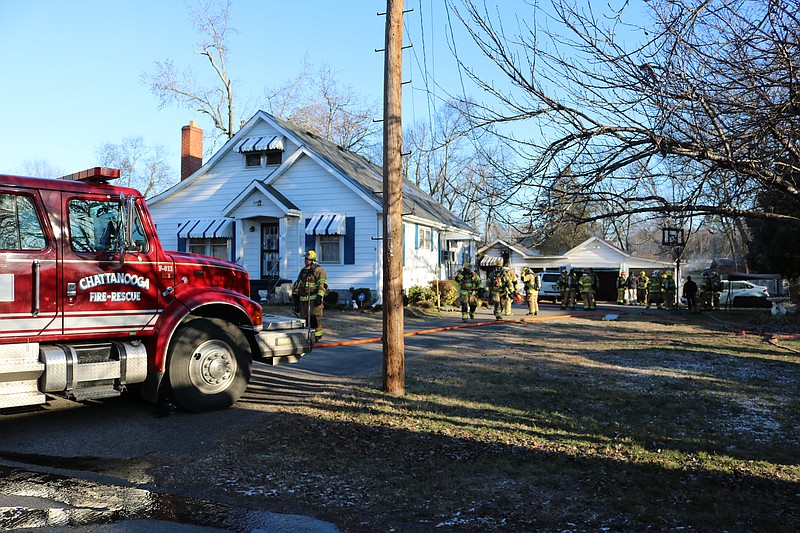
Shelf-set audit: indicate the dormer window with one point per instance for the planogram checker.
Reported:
(261, 151)
(253, 159)
(260, 159)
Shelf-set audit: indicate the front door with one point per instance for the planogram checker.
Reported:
(106, 293)
(28, 273)
(270, 251)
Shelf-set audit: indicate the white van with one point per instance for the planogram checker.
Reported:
(550, 286)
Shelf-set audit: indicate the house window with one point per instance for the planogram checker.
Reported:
(329, 249)
(274, 157)
(425, 238)
(259, 159)
(211, 247)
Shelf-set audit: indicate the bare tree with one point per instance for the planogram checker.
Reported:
(141, 166)
(456, 166)
(695, 114)
(316, 101)
(41, 168)
(212, 22)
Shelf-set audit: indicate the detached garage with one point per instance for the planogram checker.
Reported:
(606, 259)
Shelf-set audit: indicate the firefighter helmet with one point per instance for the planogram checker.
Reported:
(466, 265)
(311, 254)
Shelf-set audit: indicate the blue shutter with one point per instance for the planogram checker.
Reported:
(416, 236)
(349, 240)
(432, 240)
(311, 240)
(181, 244)
(233, 242)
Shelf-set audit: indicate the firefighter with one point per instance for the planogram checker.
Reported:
(632, 289)
(572, 289)
(309, 291)
(585, 283)
(469, 286)
(621, 285)
(496, 287)
(706, 292)
(563, 282)
(532, 284)
(654, 295)
(669, 288)
(511, 282)
(716, 288)
(642, 287)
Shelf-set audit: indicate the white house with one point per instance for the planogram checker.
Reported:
(274, 191)
(606, 259)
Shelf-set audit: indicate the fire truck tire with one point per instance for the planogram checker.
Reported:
(209, 365)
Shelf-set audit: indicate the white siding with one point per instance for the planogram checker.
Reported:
(308, 186)
(250, 247)
(596, 255)
(420, 265)
(312, 189)
(208, 195)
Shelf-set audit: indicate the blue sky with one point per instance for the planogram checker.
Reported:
(72, 71)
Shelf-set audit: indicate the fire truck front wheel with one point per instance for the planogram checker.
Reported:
(209, 365)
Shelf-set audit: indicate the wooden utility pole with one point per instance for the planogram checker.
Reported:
(393, 340)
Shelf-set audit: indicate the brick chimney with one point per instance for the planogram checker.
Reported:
(191, 149)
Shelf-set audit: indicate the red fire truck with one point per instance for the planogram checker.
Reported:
(90, 303)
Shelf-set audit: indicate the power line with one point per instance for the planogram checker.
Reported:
(423, 68)
(428, 93)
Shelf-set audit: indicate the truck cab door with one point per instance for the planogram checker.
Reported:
(110, 285)
(28, 272)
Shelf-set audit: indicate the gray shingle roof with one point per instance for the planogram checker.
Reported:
(369, 178)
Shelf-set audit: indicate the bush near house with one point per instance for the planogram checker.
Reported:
(367, 300)
(445, 289)
(418, 293)
(331, 298)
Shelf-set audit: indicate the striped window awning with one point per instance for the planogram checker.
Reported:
(326, 225)
(260, 144)
(206, 228)
(488, 261)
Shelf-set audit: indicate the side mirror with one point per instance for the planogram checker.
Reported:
(127, 223)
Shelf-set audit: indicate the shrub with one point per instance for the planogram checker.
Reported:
(447, 289)
(418, 293)
(367, 296)
(331, 298)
